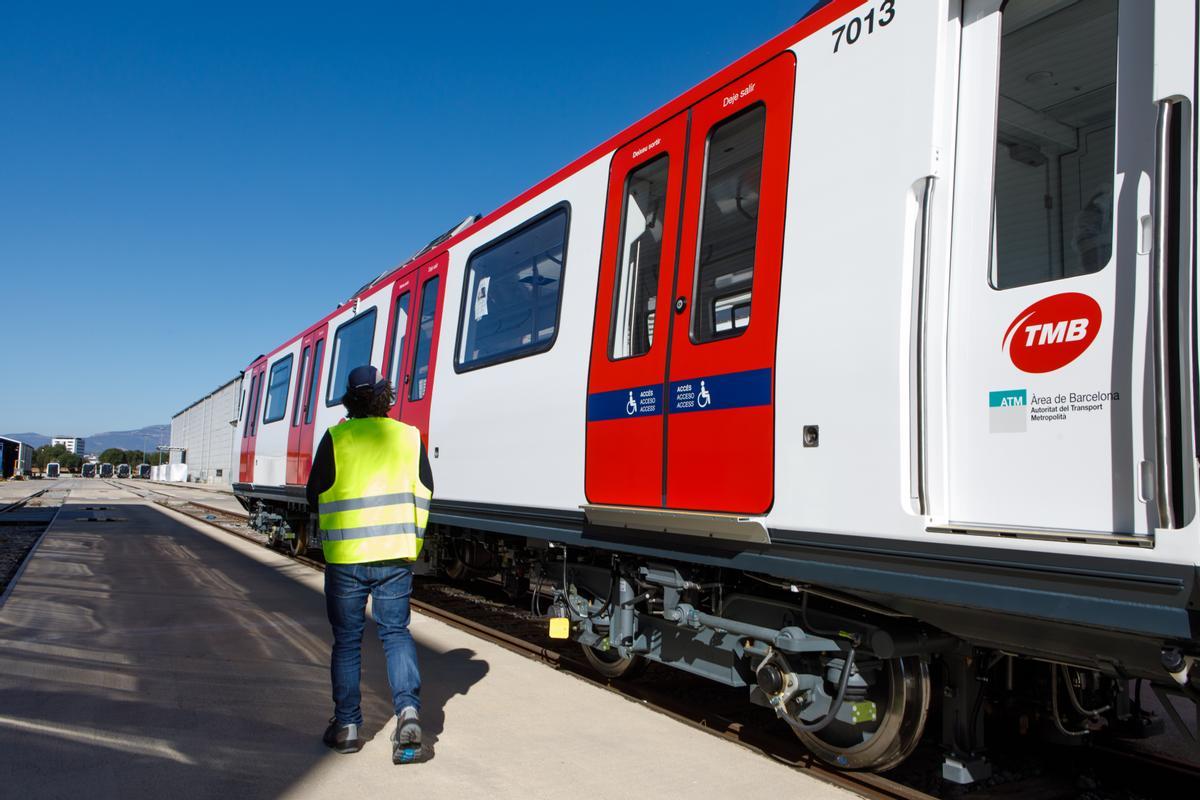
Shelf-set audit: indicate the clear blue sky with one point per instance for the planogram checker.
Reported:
(183, 185)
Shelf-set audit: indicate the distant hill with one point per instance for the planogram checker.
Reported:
(31, 439)
(149, 436)
(140, 439)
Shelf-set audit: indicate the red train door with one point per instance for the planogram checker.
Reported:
(304, 407)
(399, 337)
(250, 421)
(625, 421)
(691, 424)
(416, 371)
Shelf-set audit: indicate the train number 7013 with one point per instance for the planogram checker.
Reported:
(853, 30)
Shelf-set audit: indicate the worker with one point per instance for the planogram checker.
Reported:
(371, 483)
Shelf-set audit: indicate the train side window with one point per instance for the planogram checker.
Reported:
(300, 385)
(729, 227)
(351, 348)
(277, 389)
(399, 330)
(311, 405)
(1055, 133)
(420, 377)
(640, 253)
(512, 293)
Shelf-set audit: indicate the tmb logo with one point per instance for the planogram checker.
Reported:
(1052, 332)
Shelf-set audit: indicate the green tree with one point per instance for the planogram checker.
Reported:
(70, 462)
(113, 455)
(47, 453)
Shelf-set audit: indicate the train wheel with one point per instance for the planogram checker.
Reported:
(298, 544)
(901, 696)
(457, 570)
(611, 664)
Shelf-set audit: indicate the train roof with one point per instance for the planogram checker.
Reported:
(815, 19)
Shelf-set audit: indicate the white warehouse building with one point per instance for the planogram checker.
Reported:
(202, 436)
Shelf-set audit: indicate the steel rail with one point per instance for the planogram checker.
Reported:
(20, 503)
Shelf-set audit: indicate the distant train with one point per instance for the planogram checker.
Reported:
(88, 470)
(917, 425)
(106, 470)
(52, 469)
(142, 471)
(123, 471)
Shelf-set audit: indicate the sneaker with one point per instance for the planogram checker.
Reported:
(342, 738)
(407, 747)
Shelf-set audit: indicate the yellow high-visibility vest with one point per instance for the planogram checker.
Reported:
(377, 508)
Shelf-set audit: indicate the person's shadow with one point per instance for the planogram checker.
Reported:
(443, 675)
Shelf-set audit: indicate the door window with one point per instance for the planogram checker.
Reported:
(258, 384)
(399, 329)
(640, 253)
(311, 403)
(249, 416)
(300, 385)
(1054, 141)
(725, 256)
(424, 339)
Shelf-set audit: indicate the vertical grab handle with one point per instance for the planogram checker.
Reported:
(1160, 294)
(921, 284)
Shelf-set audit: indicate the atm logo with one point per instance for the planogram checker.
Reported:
(1052, 332)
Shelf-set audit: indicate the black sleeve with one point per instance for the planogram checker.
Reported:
(426, 473)
(320, 478)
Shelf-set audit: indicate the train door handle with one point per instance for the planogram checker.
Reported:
(680, 304)
(406, 377)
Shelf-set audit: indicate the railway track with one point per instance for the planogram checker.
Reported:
(20, 533)
(22, 502)
(1088, 772)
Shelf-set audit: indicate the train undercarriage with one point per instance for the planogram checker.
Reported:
(861, 684)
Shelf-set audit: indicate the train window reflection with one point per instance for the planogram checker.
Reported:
(420, 377)
(511, 297)
(729, 227)
(277, 389)
(351, 348)
(1054, 141)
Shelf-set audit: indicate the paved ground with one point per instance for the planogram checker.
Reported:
(215, 495)
(152, 656)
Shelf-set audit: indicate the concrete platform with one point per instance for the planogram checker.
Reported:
(154, 656)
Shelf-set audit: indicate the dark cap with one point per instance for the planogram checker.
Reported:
(364, 377)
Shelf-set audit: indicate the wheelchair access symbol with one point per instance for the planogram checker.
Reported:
(703, 398)
(631, 406)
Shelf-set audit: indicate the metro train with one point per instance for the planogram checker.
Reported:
(917, 436)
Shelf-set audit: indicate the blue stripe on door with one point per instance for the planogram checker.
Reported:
(704, 393)
(717, 392)
(638, 401)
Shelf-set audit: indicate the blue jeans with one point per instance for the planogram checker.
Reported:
(347, 586)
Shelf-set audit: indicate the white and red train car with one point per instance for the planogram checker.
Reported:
(921, 400)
